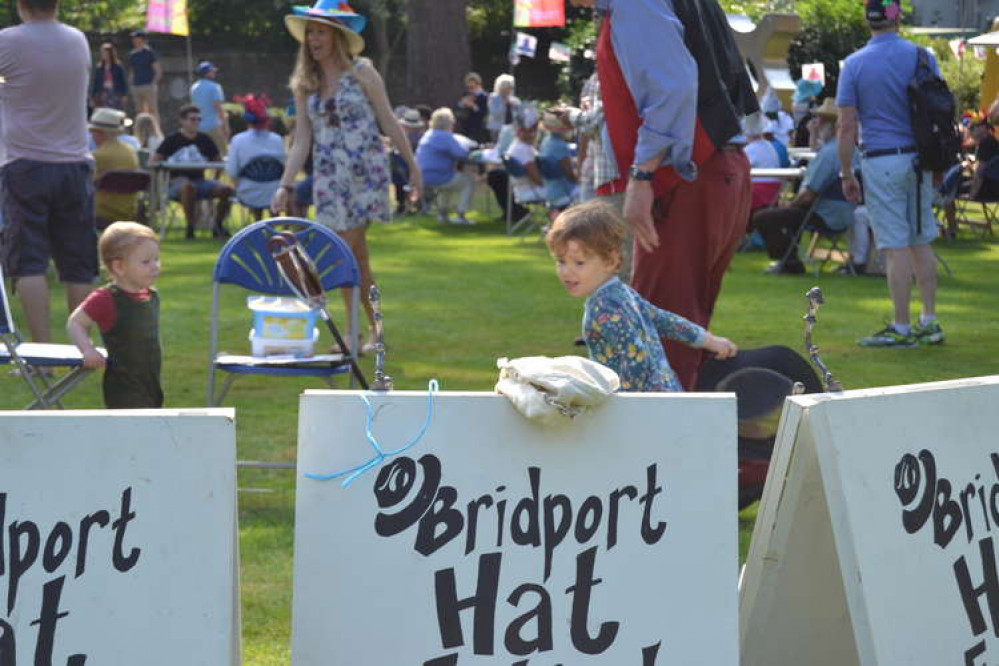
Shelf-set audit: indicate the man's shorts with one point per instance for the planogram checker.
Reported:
(144, 98)
(890, 195)
(203, 188)
(48, 211)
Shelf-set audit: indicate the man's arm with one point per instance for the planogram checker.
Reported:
(846, 140)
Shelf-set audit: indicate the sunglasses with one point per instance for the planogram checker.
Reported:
(196, 119)
(332, 117)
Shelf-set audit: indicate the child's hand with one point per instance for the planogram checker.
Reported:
(721, 347)
(93, 360)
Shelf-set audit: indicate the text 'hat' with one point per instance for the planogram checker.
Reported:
(333, 13)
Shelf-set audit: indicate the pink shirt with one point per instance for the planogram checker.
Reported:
(46, 66)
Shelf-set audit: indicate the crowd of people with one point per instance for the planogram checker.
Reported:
(647, 180)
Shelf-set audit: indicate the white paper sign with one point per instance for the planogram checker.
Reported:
(497, 541)
(117, 538)
(814, 71)
(874, 543)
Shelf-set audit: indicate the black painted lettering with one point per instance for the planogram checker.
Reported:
(482, 603)
(529, 535)
(651, 534)
(631, 492)
(121, 562)
(650, 653)
(985, 508)
(3, 514)
(8, 645)
(581, 593)
(909, 474)
(446, 660)
(393, 485)
(976, 650)
(990, 588)
(53, 557)
(471, 524)
(588, 519)
(428, 538)
(500, 517)
(555, 530)
(97, 518)
(22, 556)
(46, 622)
(965, 495)
(541, 615)
(946, 515)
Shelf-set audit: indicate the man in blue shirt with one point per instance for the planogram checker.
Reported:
(207, 95)
(146, 75)
(872, 90)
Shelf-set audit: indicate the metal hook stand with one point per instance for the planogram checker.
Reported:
(382, 381)
(815, 299)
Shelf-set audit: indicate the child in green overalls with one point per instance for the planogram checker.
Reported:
(127, 313)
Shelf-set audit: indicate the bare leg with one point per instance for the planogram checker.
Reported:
(75, 293)
(34, 291)
(901, 272)
(926, 277)
(187, 202)
(358, 242)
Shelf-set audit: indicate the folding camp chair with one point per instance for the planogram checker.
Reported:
(990, 205)
(246, 262)
(814, 254)
(528, 222)
(33, 361)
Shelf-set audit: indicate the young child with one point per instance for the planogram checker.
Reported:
(621, 329)
(127, 314)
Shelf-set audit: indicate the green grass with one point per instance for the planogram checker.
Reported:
(455, 299)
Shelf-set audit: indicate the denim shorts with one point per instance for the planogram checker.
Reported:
(203, 187)
(48, 212)
(890, 195)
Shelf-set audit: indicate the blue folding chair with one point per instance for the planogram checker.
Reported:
(35, 361)
(246, 262)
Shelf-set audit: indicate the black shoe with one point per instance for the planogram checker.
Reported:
(579, 342)
(850, 269)
(189, 234)
(790, 267)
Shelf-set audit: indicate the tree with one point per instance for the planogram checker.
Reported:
(437, 51)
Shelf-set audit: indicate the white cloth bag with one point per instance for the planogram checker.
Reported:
(553, 391)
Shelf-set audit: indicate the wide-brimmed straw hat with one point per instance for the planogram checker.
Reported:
(827, 109)
(109, 120)
(333, 13)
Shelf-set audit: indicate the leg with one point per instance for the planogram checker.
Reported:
(926, 278)
(224, 194)
(187, 195)
(357, 240)
(778, 227)
(34, 291)
(901, 272)
(75, 293)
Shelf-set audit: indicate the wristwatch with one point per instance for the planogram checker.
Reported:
(635, 173)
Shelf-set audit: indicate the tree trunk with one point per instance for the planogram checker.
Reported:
(437, 51)
(379, 25)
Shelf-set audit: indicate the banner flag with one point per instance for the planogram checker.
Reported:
(527, 45)
(538, 13)
(169, 16)
(559, 52)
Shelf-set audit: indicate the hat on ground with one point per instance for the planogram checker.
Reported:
(109, 120)
(204, 67)
(411, 118)
(882, 11)
(137, 33)
(827, 109)
(333, 13)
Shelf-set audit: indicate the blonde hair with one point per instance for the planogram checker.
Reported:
(146, 127)
(442, 119)
(121, 238)
(596, 225)
(306, 78)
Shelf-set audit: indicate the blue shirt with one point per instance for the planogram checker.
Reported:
(821, 175)
(437, 156)
(558, 191)
(622, 330)
(205, 93)
(141, 61)
(874, 80)
(662, 77)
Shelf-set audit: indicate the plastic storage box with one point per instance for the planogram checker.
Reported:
(282, 326)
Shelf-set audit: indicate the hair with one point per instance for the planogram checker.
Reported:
(109, 47)
(121, 238)
(504, 81)
(425, 112)
(442, 119)
(307, 76)
(595, 224)
(145, 127)
(187, 110)
(473, 76)
(40, 6)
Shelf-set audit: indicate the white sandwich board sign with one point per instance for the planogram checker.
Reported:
(874, 539)
(493, 540)
(117, 539)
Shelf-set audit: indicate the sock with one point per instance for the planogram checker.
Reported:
(904, 329)
(925, 319)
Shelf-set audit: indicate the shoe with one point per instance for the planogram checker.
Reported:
(442, 216)
(579, 342)
(888, 337)
(786, 268)
(460, 219)
(928, 334)
(850, 269)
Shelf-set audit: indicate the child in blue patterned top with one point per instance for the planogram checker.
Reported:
(621, 329)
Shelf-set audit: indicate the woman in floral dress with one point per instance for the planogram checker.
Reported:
(343, 110)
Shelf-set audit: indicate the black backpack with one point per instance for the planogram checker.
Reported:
(932, 109)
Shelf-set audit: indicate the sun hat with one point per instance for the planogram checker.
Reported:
(109, 120)
(411, 118)
(554, 122)
(827, 109)
(333, 13)
(204, 67)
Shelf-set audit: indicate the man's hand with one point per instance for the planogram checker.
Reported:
(851, 189)
(638, 199)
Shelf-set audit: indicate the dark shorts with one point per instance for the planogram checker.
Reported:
(303, 191)
(203, 187)
(48, 212)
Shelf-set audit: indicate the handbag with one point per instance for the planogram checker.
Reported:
(553, 391)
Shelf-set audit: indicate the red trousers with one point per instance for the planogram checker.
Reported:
(700, 224)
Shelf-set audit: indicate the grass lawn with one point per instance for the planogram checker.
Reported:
(455, 299)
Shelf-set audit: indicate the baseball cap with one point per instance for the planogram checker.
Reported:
(881, 11)
(137, 33)
(204, 67)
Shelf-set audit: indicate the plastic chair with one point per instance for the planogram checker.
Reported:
(246, 262)
(261, 169)
(34, 361)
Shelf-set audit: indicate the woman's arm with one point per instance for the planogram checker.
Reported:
(374, 88)
(570, 173)
(297, 156)
(534, 173)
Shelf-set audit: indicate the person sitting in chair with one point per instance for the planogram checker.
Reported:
(106, 126)
(190, 185)
(832, 212)
(528, 186)
(255, 186)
